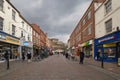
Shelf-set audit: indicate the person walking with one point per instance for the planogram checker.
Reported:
(81, 57)
(98, 56)
(6, 56)
(66, 55)
(23, 56)
(29, 56)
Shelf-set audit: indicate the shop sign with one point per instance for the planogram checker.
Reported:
(12, 40)
(87, 43)
(27, 43)
(8, 39)
(106, 39)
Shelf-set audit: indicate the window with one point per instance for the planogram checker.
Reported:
(1, 24)
(27, 27)
(22, 24)
(89, 29)
(28, 38)
(21, 33)
(83, 21)
(34, 33)
(89, 15)
(13, 30)
(110, 52)
(1, 5)
(30, 29)
(108, 26)
(13, 14)
(108, 6)
(84, 34)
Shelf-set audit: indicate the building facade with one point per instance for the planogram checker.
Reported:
(36, 39)
(43, 38)
(107, 30)
(15, 29)
(83, 35)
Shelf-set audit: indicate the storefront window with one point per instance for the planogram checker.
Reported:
(110, 52)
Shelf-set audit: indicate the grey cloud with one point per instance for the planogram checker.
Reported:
(48, 14)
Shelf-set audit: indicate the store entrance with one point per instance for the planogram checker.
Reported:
(118, 54)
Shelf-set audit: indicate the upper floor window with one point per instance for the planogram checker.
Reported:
(108, 6)
(27, 27)
(30, 29)
(83, 21)
(89, 29)
(13, 14)
(22, 24)
(84, 34)
(13, 30)
(28, 38)
(21, 33)
(1, 24)
(1, 5)
(89, 15)
(34, 32)
(108, 26)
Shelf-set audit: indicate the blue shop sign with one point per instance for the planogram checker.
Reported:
(26, 43)
(108, 38)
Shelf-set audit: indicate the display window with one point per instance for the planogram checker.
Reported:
(110, 52)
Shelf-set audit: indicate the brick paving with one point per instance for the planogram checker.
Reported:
(113, 67)
(53, 68)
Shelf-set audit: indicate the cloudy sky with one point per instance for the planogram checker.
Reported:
(58, 18)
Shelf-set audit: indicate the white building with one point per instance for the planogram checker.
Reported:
(15, 31)
(107, 33)
(107, 17)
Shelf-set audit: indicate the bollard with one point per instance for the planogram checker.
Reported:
(102, 64)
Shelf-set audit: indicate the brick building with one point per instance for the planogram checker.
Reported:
(36, 38)
(83, 35)
(43, 38)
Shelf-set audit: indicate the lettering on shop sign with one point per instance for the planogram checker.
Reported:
(106, 39)
(2, 36)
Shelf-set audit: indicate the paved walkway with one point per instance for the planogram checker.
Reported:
(54, 68)
(113, 67)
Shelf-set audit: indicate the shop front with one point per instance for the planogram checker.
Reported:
(87, 48)
(27, 46)
(10, 43)
(36, 50)
(107, 48)
(119, 54)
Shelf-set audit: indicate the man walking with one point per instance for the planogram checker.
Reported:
(81, 57)
(29, 56)
(6, 56)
